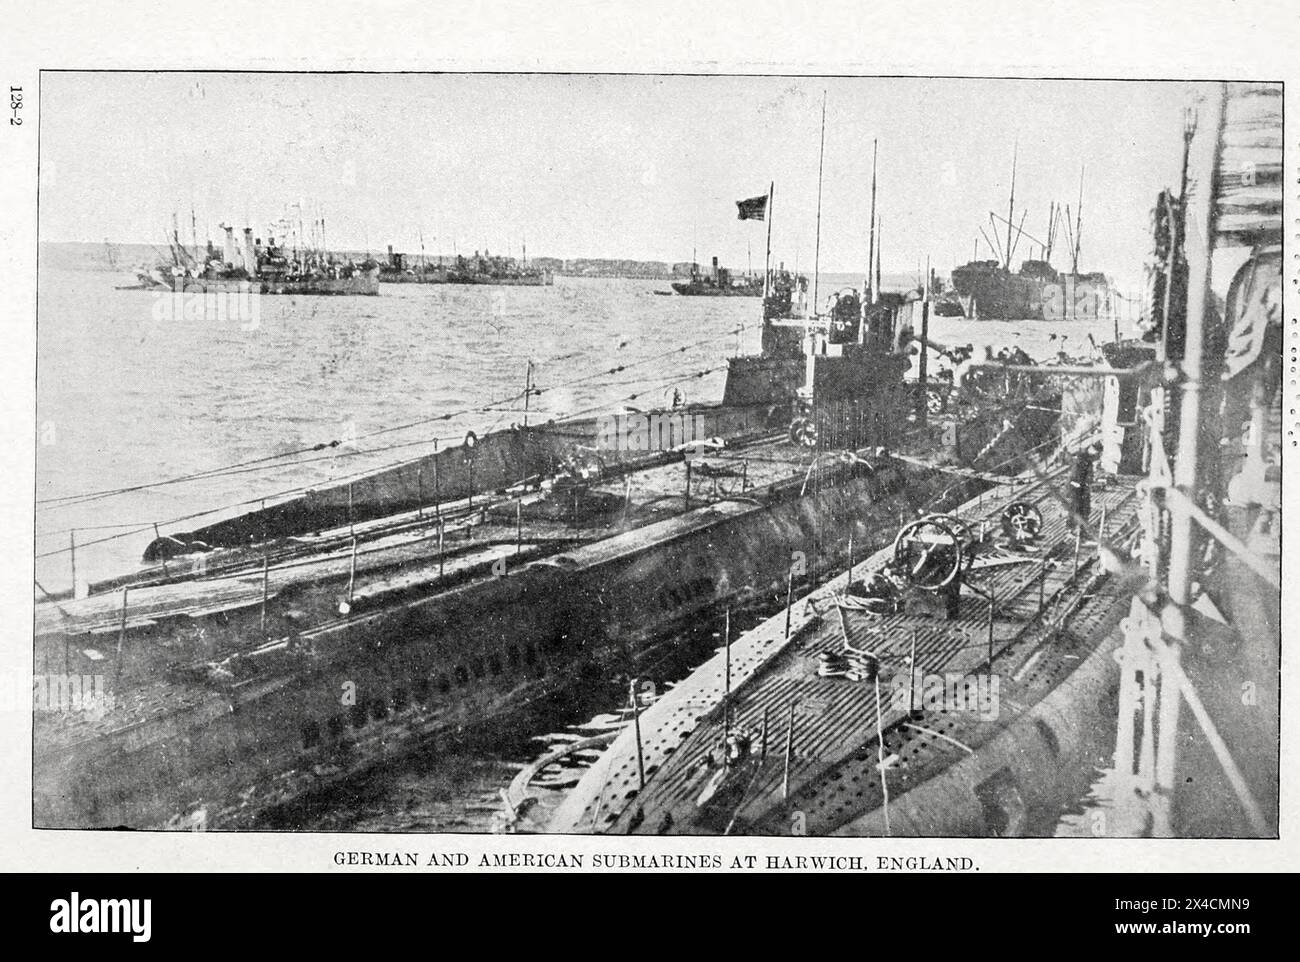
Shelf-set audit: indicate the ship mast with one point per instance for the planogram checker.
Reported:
(880, 242)
(177, 250)
(817, 243)
(1011, 206)
(1078, 228)
(1051, 229)
(767, 258)
(872, 293)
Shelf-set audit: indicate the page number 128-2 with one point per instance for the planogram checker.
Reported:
(15, 105)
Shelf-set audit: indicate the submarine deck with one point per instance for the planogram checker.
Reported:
(403, 549)
(775, 685)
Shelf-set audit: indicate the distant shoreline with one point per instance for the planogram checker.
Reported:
(92, 256)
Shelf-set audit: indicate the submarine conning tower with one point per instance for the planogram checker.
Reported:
(838, 375)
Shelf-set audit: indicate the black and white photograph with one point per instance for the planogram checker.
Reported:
(658, 453)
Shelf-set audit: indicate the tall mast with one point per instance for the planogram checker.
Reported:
(1078, 226)
(1051, 226)
(767, 258)
(1011, 206)
(880, 242)
(872, 293)
(817, 245)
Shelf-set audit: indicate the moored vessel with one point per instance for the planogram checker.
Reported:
(718, 282)
(990, 290)
(246, 266)
(482, 268)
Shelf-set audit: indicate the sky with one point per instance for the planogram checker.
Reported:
(637, 166)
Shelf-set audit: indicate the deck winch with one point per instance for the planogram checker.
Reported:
(932, 554)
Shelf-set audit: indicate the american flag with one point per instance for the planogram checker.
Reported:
(753, 209)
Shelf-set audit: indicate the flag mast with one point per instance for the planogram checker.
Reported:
(767, 258)
(817, 246)
(872, 293)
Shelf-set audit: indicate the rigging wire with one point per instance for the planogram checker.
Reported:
(237, 468)
(671, 379)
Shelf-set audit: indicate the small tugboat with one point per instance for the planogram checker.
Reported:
(718, 282)
(785, 294)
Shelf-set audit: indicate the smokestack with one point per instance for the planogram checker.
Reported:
(228, 247)
(250, 256)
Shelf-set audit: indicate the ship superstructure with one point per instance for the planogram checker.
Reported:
(246, 265)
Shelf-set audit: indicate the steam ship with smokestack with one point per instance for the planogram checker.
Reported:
(256, 662)
(990, 290)
(718, 282)
(246, 265)
(784, 293)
